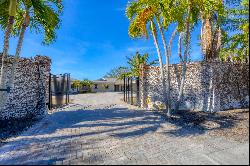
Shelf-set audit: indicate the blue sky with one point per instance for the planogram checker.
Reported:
(93, 39)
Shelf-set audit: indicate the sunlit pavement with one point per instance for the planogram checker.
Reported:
(101, 129)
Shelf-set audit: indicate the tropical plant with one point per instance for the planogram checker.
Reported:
(171, 12)
(186, 28)
(186, 15)
(86, 83)
(236, 31)
(11, 12)
(76, 84)
(39, 15)
(211, 13)
(142, 15)
(135, 62)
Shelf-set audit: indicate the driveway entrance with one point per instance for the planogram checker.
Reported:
(100, 129)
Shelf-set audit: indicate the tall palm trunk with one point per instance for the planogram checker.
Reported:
(167, 50)
(184, 66)
(167, 90)
(206, 38)
(169, 54)
(210, 38)
(3, 95)
(180, 47)
(18, 49)
(153, 29)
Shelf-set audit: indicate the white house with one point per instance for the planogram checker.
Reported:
(108, 85)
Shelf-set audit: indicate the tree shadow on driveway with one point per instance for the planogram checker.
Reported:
(191, 123)
(66, 131)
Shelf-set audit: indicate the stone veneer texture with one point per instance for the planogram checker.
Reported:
(210, 86)
(31, 88)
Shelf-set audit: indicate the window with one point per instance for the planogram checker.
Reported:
(106, 86)
(96, 86)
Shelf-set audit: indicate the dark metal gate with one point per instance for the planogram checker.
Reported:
(131, 90)
(59, 90)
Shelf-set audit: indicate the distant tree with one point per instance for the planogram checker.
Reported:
(80, 85)
(76, 84)
(86, 83)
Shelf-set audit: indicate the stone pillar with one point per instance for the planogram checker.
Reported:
(43, 64)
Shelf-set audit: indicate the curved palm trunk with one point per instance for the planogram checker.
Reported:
(159, 56)
(3, 94)
(184, 67)
(17, 55)
(180, 48)
(167, 90)
(167, 50)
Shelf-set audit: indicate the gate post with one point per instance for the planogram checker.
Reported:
(128, 90)
(131, 84)
(50, 95)
(137, 91)
(142, 86)
(124, 91)
(69, 86)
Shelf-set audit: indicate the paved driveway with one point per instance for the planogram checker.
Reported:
(101, 129)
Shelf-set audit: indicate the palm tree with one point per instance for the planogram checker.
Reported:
(142, 13)
(136, 61)
(211, 12)
(11, 16)
(169, 12)
(38, 14)
(195, 10)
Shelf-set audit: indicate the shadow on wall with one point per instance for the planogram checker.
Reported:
(81, 125)
(209, 86)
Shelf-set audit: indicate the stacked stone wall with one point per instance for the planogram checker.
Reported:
(30, 94)
(209, 86)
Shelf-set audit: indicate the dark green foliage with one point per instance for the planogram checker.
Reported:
(44, 17)
(236, 31)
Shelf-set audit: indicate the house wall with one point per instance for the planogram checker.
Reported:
(101, 87)
(31, 92)
(111, 88)
(210, 86)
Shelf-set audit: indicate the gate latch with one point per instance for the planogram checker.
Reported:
(7, 89)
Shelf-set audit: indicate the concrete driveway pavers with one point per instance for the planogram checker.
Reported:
(101, 129)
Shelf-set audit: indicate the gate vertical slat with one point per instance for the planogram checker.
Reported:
(66, 88)
(137, 90)
(124, 85)
(131, 87)
(128, 91)
(50, 95)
